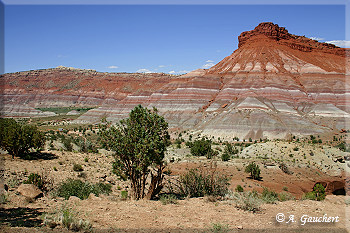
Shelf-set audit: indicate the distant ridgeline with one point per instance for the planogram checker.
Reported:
(274, 85)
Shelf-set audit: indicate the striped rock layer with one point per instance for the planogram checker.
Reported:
(275, 84)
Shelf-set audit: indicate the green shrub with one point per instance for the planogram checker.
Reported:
(67, 143)
(13, 182)
(318, 193)
(254, 170)
(200, 183)
(219, 228)
(168, 199)
(347, 201)
(178, 141)
(18, 139)
(239, 189)
(211, 154)
(35, 179)
(269, 196)
(229, 149)
(248, 201)
(82, 189)
(3, 198)
(68, 218)
(225, 157)
(77, 167)
(124, 195)
(189, 144)
(309, 196)
(285, 196)
(202, 148)
(41, 181)
(85, 145)
(285, 188)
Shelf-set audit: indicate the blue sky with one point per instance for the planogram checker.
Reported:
(149, 38)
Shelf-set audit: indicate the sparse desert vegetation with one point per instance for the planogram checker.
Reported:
(78, 177)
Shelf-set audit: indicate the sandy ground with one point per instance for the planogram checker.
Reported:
(112, 214)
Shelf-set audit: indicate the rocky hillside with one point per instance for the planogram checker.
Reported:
(275, 84)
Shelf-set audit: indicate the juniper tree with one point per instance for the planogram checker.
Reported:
(18, 139)
(139, 143)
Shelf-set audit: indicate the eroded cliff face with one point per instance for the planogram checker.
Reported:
(273, 85)
(63, 86)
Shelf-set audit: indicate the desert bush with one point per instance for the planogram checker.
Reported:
(140, 140)
(67, 142)
(189, 144)
(343, 146)
(13, 182)
(254, 170)
(318, 193)
(81, 189)
(219, 228)
(285, 196)
(285, 168)
(269, 196)
(3, 198)
(229, 149)
(248, 201)
(18, 139)
(85, 145)
(168, 199)
(199, 183)
(68, 218)
(347, 201)
(309, 196)
(211, 198)
(41, 181)
(178, 141)
(35, 179)
(211, 154)
(202, 148)
(124, 195)
(239, 189)
(225, 157)
(77, 167)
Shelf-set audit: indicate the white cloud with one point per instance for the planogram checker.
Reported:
(184, 71)
(161, 66)
(144, 71)
(209, 61)
(316, 38)
(208, 65)
(178, 72)
(112, 67)
(340, 43)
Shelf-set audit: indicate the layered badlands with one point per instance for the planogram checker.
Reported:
(275, 84)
